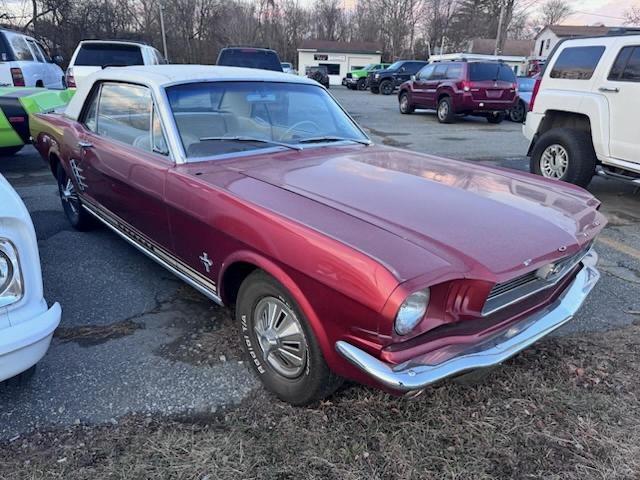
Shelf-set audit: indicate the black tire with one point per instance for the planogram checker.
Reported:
(78, 217)
(386, 87)
(9, 151)
(350, 87)
(362, 84)
(314, 381)
(495, 118)
(518, 114)
(375, 90)
(404, 104)
(445, 111)
(581, 156)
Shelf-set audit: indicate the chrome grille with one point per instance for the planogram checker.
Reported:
(512, 291)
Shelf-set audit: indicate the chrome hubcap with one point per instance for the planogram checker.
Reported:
(280, 337)
(404, 103)
(443, 110)
(68, 195)
(554, 161)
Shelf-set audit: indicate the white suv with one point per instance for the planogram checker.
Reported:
(24, 62)
(93, 55)
(582, 117)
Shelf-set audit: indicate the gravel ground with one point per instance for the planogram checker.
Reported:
(134, 340)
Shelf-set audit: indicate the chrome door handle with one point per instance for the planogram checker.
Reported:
(610, 90)
(82, 144)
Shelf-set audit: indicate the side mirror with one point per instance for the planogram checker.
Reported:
(57, 59)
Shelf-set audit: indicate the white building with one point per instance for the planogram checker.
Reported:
(550, 35)
(339, 57)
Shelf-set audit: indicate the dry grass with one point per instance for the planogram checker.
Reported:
(88, 335)
(568, 409)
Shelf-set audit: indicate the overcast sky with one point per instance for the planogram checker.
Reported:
(609, 12)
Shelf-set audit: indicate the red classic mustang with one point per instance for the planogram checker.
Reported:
(341, 258)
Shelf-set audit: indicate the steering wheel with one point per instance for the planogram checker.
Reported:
(298, 124)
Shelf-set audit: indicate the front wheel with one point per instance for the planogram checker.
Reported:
(280, 343)
(404, 104)
(79, 218)
(518, 113)
(565, 154)
(386, 87)
(362, 84)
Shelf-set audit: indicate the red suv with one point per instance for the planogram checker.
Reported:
(487, 89)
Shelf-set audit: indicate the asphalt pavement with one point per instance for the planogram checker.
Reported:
(131, 333)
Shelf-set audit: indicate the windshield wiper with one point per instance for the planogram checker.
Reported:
(250, 139)
(330, 138)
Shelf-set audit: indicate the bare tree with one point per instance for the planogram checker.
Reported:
(554, 12)
(632, 16)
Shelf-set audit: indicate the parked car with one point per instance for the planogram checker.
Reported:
(386, 81)
(320, 74)
(93, 55)
(581, 118)
(485, 89)
(26, 322)
(288, 68)
(249, 57)
(24, 62)
(357, 79)
(518, 113)
(16, 104)
(257, 189)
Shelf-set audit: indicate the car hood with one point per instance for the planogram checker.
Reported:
(499, 222)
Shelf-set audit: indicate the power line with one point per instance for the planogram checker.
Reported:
(598, 15)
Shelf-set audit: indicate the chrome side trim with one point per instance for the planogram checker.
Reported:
(413, 375)
(169, 262)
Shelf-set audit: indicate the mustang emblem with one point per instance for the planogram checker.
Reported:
(527, 262)
(206, 261)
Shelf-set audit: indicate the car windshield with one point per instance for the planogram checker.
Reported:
(250, 58)
(394, 66)
(285, 65)
(481, 72)
(525, 84)
(103, 54)
(217, 118)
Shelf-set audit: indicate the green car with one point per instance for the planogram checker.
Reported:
(357, 79)
(16, 103)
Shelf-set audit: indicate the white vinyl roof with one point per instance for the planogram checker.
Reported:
(157, 77)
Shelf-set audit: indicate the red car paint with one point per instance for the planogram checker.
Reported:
(349, 231)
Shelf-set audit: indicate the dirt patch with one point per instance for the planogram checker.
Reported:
(90, 335)
(209, 334)
(567, 409)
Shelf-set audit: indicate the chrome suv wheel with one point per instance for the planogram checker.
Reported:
(280, 343)
(554, 161)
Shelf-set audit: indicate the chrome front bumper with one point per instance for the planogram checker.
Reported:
(412, 375)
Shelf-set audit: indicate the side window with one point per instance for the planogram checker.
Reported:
(577, 63)
(440, 73)
(454, 72)
(20, 48)
(159, 144)
(425, 73)
(627, 65)
(43, 52)
(124, 114)
(35, 51)
(89, 118)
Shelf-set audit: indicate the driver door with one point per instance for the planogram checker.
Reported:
(420, 87)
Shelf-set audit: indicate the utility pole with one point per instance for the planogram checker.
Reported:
(164, 34)
(498, 49)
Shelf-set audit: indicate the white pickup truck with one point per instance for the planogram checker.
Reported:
(583, 112)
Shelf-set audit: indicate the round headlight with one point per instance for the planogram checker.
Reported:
(411, 311)
(6, 272)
